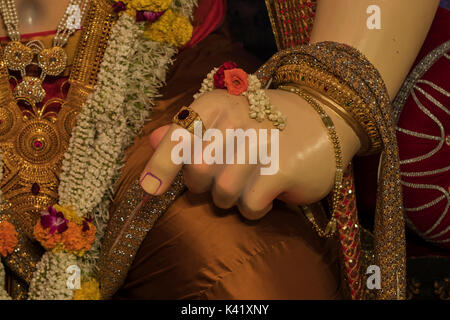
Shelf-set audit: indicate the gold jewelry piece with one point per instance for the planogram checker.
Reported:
(350, 67)
(187, 118)
(343, 113)
(34, 141)
(330, 229)
(52, 61)
(18, 56)
(309, 74)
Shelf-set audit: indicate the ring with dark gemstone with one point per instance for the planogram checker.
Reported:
(187, 118)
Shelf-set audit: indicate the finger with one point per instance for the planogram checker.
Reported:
(157, 135)
(230, 183)
(250, 214)
(199, 178)
(257, 197)
(165, 163)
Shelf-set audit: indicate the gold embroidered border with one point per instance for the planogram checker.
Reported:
(291, 21)
(127, 228)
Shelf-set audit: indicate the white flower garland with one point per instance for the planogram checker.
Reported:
(132, 71)
(3, 294)
(52, 266)
(259, 103)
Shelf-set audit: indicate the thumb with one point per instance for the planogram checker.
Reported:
(160, 170)
(157, 135)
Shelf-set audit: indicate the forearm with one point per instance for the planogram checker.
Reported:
(391, 49)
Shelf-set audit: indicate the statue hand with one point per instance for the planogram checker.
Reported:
(306, 165)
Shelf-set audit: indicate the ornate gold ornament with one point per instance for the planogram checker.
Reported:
(34, 140)
(18, 57)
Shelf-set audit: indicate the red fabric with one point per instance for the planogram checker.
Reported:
(209, 15)
(55, 87)
(412, 118)
(31, 35)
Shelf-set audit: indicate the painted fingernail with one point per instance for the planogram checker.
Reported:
(150, 183)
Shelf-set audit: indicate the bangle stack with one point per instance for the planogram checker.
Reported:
(343, 74)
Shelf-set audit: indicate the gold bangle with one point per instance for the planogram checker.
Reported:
(313, 77)
(330, 229)
(349, 68)
(343, 113)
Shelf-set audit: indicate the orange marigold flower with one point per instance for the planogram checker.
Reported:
(8, 238)
(76, 240)
(47, 240)
(73, 240)
(236, 81)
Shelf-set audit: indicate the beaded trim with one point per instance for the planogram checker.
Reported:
(418, 71)
(127, 228)
(409, 87)
(291, 21)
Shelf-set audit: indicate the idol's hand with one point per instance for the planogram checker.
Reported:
(299, 166)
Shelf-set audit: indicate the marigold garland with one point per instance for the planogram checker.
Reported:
(90, 290)
(162, 23)
(171, 28)
(149, 5)
(74, 240)
(8, 238)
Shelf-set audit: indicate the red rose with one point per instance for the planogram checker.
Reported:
(219, 76)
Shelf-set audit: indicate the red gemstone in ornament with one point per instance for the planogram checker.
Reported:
(35, 189)
(38, 144)
(183, 114)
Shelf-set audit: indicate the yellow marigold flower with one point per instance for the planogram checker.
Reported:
(170, 28)
(149, 5)
(90, 290)
(8, 238)
(130, 11)
(69, 214)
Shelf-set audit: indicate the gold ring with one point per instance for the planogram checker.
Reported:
(187, 118)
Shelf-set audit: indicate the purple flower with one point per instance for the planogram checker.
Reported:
(54, 220)
(119, 6)
(149, 16)
(86, 222)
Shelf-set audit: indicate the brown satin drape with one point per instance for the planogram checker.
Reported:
(196, 251)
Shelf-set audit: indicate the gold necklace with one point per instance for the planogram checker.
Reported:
(51, 61)
(33, 146)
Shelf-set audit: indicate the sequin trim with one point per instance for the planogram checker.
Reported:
(127, 228)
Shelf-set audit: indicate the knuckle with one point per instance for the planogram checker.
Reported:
(225, 189)
(252, 206)
(224, 195)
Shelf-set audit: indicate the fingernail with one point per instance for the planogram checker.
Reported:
(150, 183)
